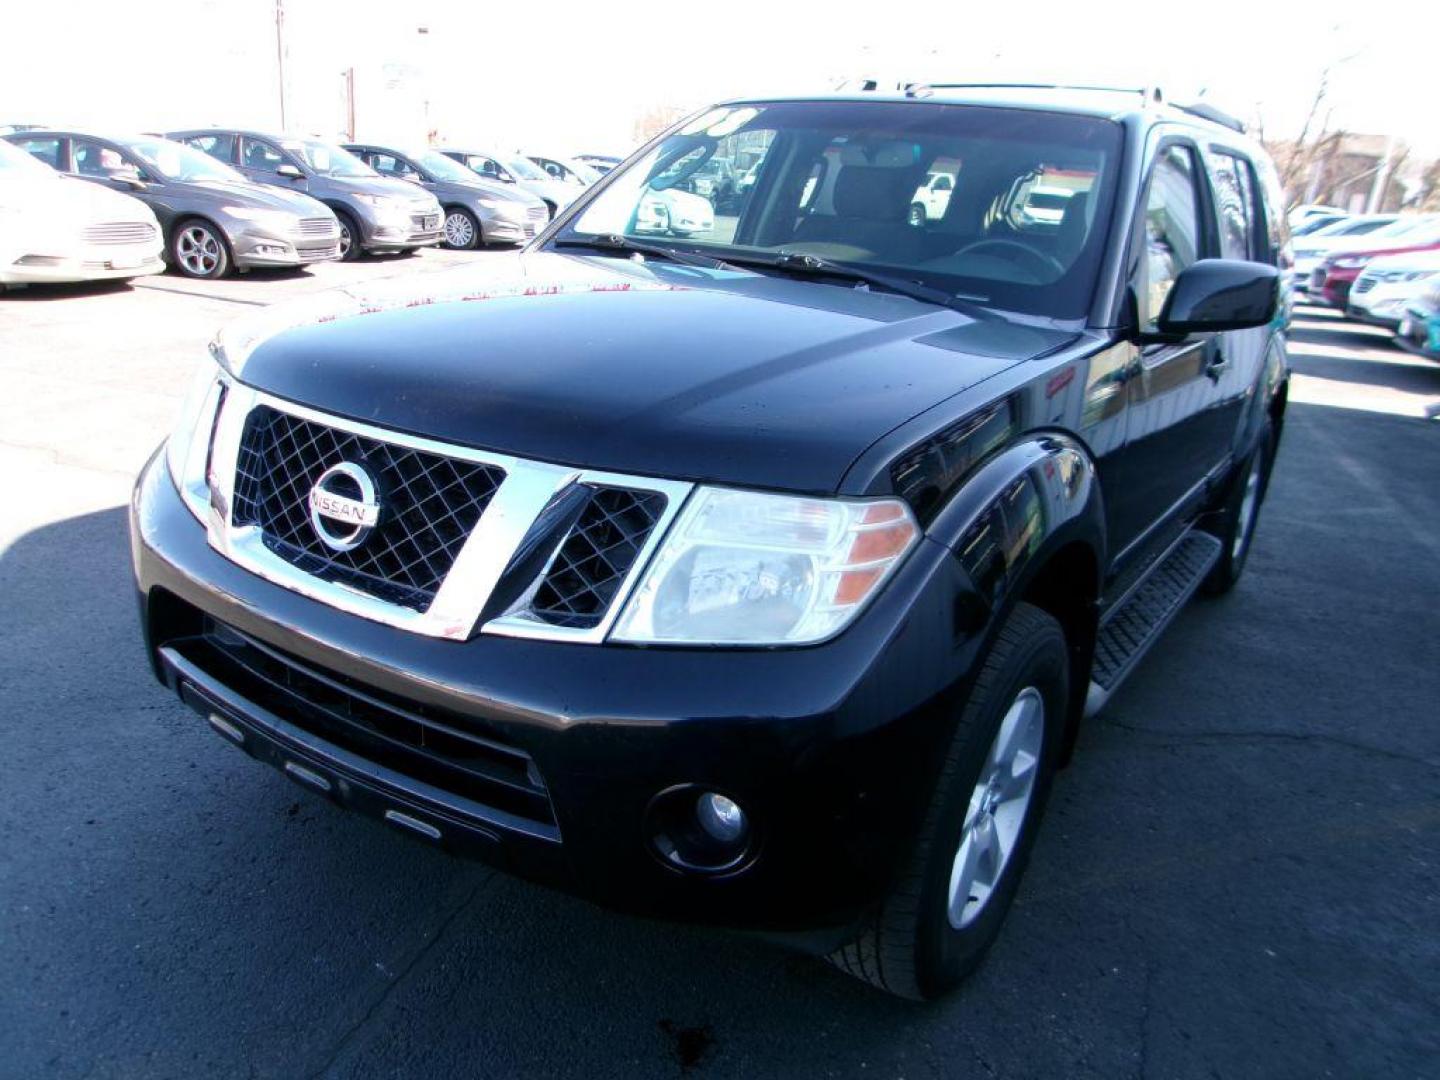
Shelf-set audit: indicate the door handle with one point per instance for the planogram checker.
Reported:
(1216, 365)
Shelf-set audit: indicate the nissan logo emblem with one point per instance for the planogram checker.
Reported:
(344, 496)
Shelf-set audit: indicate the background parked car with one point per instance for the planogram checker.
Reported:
(1388, 284)
(1419, 330)
(477, 211)
(601, 163)
(676, 212)
(520, 171)
(1333, 279)
(53, 229)
(1315, 222)
(567, 169)
(212, 217)
(1313, 249)
(375, 214)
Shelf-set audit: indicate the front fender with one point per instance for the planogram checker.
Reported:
(1025, 504)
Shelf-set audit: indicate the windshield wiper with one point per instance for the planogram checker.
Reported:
(797, 262)
(616, 242)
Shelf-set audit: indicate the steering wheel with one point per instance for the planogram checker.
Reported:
(1048, 262)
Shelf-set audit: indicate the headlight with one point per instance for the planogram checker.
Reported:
(380, 202)
(1350, 262)
(187, 451)
(1419, 275)
(755, 569)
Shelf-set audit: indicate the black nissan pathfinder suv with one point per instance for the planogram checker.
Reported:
(763, 576)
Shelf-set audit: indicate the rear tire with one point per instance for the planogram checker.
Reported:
(1235, 525)
(948, 905)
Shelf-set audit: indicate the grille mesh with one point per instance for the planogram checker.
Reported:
(317, 226)
(429, 505)
(119, 232)
(595, 557)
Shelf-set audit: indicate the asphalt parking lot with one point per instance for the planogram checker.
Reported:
(1239, 875)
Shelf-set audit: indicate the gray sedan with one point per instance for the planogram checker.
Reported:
(477, 211)
(214, 220)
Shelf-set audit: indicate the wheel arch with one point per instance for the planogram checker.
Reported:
(1029, 526)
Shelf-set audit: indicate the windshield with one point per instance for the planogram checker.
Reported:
(16, 163)
(444, 168)
(525, 169)
(992, 205)
(327, 159)
(176, 161)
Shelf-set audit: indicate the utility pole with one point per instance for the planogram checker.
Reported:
(280, 55)
(1382, 178)
(350, 103)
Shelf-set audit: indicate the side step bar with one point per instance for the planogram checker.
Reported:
(1142, 615)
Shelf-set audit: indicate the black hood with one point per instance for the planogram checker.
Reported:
(655, 368)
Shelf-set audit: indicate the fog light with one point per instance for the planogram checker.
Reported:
(722, 818)
(700, 832)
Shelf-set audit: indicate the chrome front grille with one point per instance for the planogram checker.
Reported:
(317, 226)
(119, 232)
(596, 555)
(465, 541)
(432, 503)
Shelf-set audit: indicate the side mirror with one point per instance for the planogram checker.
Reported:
(1219, 294)
(128, 175)
(290, 172)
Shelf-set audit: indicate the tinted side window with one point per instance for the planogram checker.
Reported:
(221, 147)
(1236, 207)
(1172, 227)
(390, 165)
(92, 159)
(259, 155)
(46, 150)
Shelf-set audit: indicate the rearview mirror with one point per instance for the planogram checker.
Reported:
(1220, 294)
(289, 171)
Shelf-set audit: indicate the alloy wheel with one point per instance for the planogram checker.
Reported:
(198, 250)
(1245, 523)
(459, 230)
(345, 240)
(997, 807)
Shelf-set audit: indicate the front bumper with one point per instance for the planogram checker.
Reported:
(404, 232)
(830, 749)
(255, 249)
(98, 265)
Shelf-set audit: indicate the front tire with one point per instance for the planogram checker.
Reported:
(462, 230)
(350, 249)
(198, 250)
(948, 905)
(918, 216)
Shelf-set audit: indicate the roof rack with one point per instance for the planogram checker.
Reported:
(1205, 111)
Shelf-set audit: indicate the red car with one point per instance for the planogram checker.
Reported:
(1330, 284)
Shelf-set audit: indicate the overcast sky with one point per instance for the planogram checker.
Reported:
(562, 78)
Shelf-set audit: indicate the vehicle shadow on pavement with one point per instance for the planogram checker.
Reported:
(63, 291)
(1237, 856)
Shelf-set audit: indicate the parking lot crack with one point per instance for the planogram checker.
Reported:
(1299, 737)
(353, 1032)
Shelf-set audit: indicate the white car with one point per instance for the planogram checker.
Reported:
(932, 198)
(676, 212)
(57, 229)
(1388, 284)
(1310, 251)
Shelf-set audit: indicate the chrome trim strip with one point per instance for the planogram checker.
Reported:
(527, 488)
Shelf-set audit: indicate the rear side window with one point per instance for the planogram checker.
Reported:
(46, 150)
(1172, 228)
(1236, 207)
(92, 159)
(221, 147)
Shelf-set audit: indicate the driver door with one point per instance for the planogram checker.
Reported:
(1174, 439)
